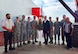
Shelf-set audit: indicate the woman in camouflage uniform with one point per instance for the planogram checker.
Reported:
(57, 30)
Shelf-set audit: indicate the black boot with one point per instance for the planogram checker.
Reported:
(36, 41)
(51, 42)
(5, 50)
(20, 44)
(24, 43)
(46, 43)
(33, 42)
(63, 43)
(28, 42)
(55, 41)
(58, 42)
(10, 48)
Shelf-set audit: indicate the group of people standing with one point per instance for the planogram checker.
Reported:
(21, 31)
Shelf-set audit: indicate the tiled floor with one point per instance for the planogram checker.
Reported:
(44, 49)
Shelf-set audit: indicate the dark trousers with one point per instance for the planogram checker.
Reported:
(58, 37)
(62, 34)
(35, 37)
(46, 37)
(51, 36)
(7, 37)
(69, 40)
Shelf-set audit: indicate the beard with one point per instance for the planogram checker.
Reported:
(8, 18)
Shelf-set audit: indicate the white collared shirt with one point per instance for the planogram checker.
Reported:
(8, 23)
(45, 21)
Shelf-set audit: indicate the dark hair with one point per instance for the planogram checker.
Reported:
(41, 16)
(57, 18)
(23, 15)
(34, 17)
(17, 17)
(7, 14)
(49, 17)
(28, 17)
(64, 15)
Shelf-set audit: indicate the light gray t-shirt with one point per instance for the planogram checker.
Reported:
(67, 27)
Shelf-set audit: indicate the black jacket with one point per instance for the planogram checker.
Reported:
(46, 26)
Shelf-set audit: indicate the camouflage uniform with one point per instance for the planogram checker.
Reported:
(51, 31)
(29, 30)
(17, 26)
(57, 30)
(23, 31)
(34, 30)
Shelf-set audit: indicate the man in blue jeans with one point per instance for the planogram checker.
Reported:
(68, 29)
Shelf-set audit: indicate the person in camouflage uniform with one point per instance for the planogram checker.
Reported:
(51, 30)
(57, 30)
(29, 30)
(23, 31)
(17, 25)
(34, 29)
